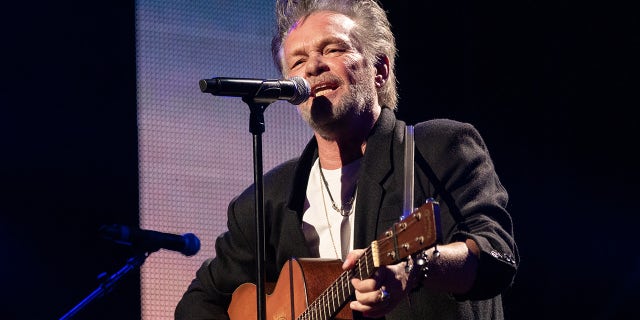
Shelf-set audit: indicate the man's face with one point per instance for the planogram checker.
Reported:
(321, 50)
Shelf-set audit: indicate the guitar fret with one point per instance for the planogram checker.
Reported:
(344, 280)
(359, 268)
(323, 309)
(366, 264)
(334, 295)
(329, 305)
(321, 306)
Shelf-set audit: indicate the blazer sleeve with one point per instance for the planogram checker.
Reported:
(461, 173)
(209, 294)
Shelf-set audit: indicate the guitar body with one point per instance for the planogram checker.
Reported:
(300, 281)
(306, 290)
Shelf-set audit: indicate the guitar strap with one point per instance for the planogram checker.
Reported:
(409, 145)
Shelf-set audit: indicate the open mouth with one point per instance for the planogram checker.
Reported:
(321, 89)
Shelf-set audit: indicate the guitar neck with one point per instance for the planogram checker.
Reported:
(336, 296)
(416, 232)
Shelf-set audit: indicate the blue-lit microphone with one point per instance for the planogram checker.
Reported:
(148, 240)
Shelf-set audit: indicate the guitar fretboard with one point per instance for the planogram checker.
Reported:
(336, 296)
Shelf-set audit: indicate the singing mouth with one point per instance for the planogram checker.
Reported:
(321, 89)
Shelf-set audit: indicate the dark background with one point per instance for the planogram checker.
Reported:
(550, 85)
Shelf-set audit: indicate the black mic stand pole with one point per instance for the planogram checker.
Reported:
(256, 127)
(107, 285)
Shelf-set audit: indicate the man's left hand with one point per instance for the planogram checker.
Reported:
(378, 295)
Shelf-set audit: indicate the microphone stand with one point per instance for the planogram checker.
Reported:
(256, 127)
(108, 283)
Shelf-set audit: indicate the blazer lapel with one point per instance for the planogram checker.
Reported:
(377, 167)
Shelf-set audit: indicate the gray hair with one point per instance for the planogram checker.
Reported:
(372, 35)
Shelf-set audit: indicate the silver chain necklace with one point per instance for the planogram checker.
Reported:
(326, 215)
(347, 208)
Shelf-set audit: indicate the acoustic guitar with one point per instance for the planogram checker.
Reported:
(315, 289)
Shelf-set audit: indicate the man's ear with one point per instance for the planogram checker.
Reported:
(382, 70)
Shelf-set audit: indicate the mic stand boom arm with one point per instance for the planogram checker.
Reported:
(107, 285)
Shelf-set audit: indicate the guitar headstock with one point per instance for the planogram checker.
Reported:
(418, 231)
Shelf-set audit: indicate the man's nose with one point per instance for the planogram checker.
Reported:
(316, 65)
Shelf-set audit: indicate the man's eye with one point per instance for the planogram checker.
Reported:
(333, 50)
(296, 63)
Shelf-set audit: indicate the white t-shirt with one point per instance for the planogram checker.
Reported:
(328, 234)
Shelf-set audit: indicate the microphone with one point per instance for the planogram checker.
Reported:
(295, 90)
(187, 244)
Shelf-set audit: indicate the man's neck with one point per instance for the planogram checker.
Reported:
(335, 154)
(348, 145)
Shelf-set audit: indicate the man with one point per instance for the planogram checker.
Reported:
(347, 186)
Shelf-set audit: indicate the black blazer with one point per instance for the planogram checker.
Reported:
(452, 165)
